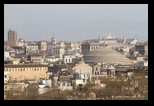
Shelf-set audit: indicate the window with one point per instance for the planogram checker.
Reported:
(43, 76)
(96, 68)
(5, 87)
(5, 76)
(97, 73)
(83, 80)
(10, 77)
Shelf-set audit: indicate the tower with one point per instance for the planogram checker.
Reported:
(12, 35)
(53, 40)
(12, 38)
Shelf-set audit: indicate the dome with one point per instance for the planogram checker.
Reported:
(107, 56)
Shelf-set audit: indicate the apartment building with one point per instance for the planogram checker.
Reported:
(26, 71)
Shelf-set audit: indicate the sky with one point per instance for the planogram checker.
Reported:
(76, 22)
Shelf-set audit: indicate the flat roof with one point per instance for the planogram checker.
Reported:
(24, 65)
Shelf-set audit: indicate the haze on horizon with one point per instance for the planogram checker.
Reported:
(76, 22)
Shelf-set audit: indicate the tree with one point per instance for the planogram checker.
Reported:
(32, 91)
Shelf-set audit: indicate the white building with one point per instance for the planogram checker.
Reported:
(47, 82)
(21, 42)
(65, 86)
(51, 59)
(6, 54)
(134, 42)
(140, 58)
(68, 58)
(81, 79)
(58, 52)
(32, 47)
(146, 62)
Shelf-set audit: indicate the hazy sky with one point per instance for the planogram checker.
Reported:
(24, 17)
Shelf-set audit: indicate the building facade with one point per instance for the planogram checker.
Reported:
(36, 58)
(68, 59)
(26, 71)
(51, 58)
(96, 69)
(142, 49)
(32, 48)
(42, 45)
(82, 68)
(58, 52)
(88, 46)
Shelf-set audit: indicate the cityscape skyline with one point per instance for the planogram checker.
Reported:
(76, 22)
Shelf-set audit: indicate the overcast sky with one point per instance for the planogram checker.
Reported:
(25, 19)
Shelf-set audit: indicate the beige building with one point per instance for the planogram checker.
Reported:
(42, 45)
(26, 71)
(83, 68)
(36, 58)
(15, 61)
(62, 44)
(21, 42)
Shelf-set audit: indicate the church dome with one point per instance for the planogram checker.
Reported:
(107, 56)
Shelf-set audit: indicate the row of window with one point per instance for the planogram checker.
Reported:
(55, 52)
(33, 47)
(95, 47)
(25, 77)
(68, 60)
(25, 69)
